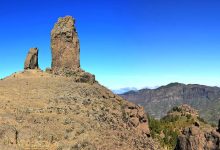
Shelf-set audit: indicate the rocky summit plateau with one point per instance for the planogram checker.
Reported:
(64, 107)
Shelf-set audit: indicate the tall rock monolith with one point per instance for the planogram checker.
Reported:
(31, 61)
(65, 45)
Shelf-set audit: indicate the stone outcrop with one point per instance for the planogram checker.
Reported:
(31, 61)
(65, 45)
(78, 75)
(191, 139)
(196, 134)
(198, 138)
(66, 51)
(136, 118)
(184, 110)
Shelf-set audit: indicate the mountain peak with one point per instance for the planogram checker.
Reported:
(171, 85)
(64, 107)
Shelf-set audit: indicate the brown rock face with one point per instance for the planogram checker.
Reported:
(193, 138)
(65, 45)
(31, 61)
(66, 51)
(136, 118)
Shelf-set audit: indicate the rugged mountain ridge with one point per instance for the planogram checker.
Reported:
(159, 101)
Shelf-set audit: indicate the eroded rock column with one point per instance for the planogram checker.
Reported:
(65, 45)
(31, 61)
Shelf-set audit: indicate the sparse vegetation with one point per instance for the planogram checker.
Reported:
(178, 109)
(166, 135)
(202, 120)
(167, 129)
(188, 116)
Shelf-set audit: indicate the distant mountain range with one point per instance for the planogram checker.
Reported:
(157, 102)
(128, 89)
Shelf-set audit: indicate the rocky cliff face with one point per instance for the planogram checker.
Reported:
(159, 101)
(65, 45)
(31, 61)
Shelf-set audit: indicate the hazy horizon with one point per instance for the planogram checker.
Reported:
(142, 43)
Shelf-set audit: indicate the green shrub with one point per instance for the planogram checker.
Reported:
(177, 109)
(202, 120)
(155, 126)
(188, 116)
(164, 126)
(170, 118)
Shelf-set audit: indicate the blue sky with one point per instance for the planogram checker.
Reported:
(125, 43)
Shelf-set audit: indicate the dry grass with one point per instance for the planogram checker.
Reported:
(43, 111)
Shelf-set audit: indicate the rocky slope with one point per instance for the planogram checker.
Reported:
(65, 108)
(41, 110)
(159, 101)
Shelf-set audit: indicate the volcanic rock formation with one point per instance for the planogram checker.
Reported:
(65, 45)
(31, 61)
(65, 108)
(66, 51)
(195, 138)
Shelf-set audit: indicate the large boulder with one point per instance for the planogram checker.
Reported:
(65, 45)
(31, 61)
